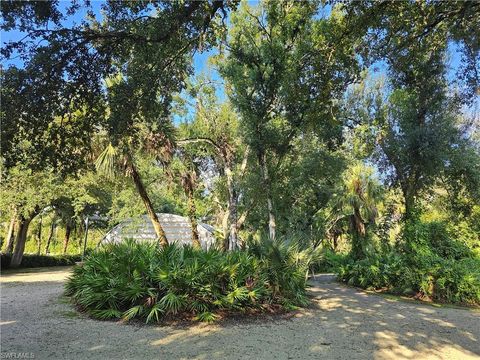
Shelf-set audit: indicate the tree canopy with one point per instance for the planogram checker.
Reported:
(344, 125)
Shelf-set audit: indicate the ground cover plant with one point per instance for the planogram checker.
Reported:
(143, 281)
(429, 264)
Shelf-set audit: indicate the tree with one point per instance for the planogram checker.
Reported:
(145, 45)
(139, 99)
(109, 161)
(64, 210)
(357, 205)
(285, 71)
(45, 138)
(305, 181)
(410, 134)
(28, 192)
(392, 28)
(213, 135)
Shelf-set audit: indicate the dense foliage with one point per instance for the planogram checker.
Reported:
(434, 266)
(346, 126)
(33, 261)
(143, 281)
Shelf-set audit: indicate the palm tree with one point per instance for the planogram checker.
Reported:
(357, 206)
(110, 161)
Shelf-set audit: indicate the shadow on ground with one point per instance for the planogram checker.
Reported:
(342, 323)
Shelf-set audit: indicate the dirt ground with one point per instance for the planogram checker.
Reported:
(342, 323)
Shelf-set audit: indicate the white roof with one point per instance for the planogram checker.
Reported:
(177, 229)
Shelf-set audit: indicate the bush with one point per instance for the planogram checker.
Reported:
(374, 272)
(458, 282)
(32, 260)
(428, 263)
(427, 276)
(329, 261)
(138, 280)
(286, 266)
(433, 237)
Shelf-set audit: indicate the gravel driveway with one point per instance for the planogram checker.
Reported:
(343, 323)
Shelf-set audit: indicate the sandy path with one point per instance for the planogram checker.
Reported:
(342, 323)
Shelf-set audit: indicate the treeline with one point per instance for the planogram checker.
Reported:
(297, 138)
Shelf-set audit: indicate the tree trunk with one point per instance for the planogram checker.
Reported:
(266, 182)
(162, 238)
(409, 208)
(271, 219)
(68, 230)
(226, 229)
(11, 235)
(240, 222)
(359, 237)
(78, 234)
(357, 251)
(408, 190)
(335, 241)
(231, 239)
(55, 238)
(193, 220)
(39, 236)
(50, 235)
(21, 238)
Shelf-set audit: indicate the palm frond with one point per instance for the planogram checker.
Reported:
(206, 316)
(106, 162)
(133, 312)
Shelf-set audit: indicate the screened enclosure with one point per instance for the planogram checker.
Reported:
(177, 229)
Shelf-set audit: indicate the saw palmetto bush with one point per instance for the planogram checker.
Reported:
(138, 280)
(286, 265)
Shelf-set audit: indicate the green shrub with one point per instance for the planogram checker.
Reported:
(328, 261)
(433, 237)
(138, 280)
(373, 272)
(286, 266)
(458, 282)
(424, 274)
(33, 260)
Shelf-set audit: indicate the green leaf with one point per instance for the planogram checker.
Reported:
(106, 161)
(206, 316)
(133, 312)
(155, 313)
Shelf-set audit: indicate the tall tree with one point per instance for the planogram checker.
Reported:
(213, 135)
(28, 192)
(286, 70)
(144, 44)
(392, 28)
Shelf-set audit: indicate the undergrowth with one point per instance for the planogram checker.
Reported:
(142, 281)
(429, 264)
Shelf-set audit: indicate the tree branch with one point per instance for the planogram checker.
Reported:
(198, 140)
